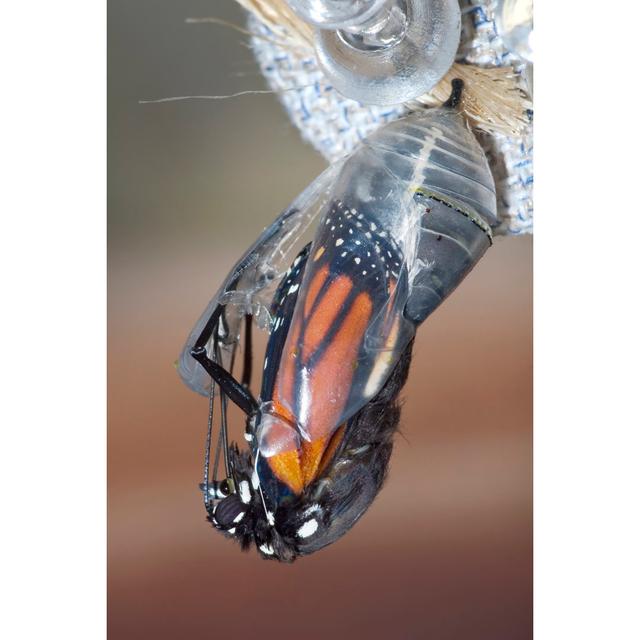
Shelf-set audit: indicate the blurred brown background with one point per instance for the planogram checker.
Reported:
(445, 551)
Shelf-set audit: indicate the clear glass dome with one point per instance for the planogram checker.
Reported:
(335, 14)
(396, 56)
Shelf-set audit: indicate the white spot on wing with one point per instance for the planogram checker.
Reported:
(267, 549)
(308, 528)
(245, 492)
(314, 508)
(339, 241)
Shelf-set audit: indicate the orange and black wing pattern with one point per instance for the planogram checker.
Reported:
(335, 336)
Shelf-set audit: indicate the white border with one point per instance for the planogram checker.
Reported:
(53, 331)
(52, 261)
(586, 321)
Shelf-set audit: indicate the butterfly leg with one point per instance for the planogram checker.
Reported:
(236, 391)
(214, 489)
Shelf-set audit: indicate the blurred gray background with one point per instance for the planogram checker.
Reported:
(445, 551)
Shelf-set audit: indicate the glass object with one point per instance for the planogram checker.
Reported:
(383, 52)
(334, 14)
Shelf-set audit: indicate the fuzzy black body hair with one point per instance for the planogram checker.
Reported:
(340, 495)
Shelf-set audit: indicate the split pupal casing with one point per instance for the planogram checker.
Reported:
(401, 221)
(426, 180)
(408, 216)
(425, 183)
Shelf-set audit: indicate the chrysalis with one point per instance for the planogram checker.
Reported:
(394, 229)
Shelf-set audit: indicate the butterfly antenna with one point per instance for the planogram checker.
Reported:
(216, 459)
(207, 450)
(223, 441)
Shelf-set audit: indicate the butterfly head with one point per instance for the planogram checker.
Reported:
(257, 509)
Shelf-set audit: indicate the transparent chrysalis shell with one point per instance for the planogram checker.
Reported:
(405, 217)
(346, 273)
(420, 200)
(383, 51)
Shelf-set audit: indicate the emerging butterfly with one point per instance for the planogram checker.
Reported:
(399, 224)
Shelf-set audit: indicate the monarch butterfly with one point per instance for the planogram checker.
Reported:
(399, 223)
